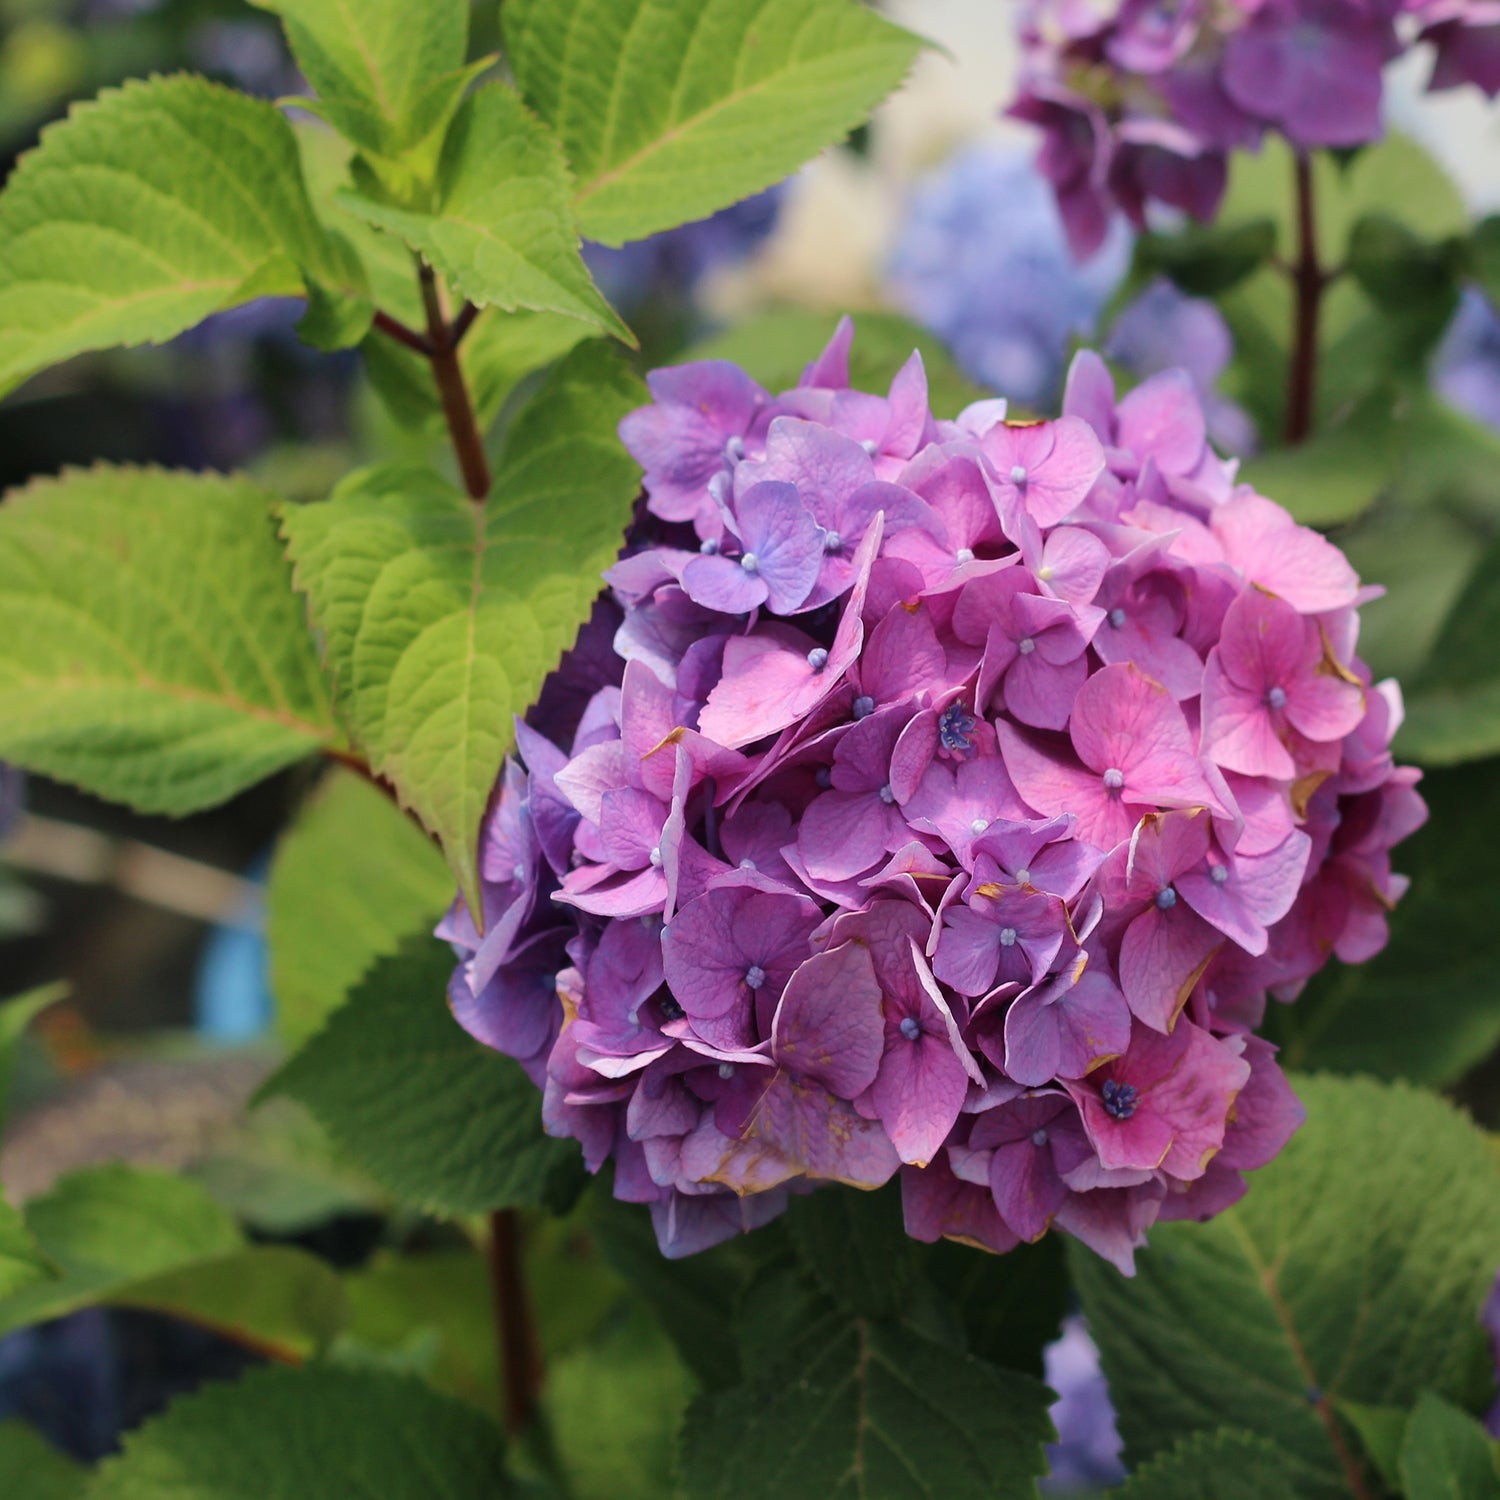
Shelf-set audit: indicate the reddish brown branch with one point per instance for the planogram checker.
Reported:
(463, 323)
(396, 329)
(457, 408)
(1308, 283)
(515, 1328)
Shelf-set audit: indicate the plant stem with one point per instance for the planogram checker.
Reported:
(463, 322)
(394, 328)
(520, 1361)
(457, 407)
(1308, 282)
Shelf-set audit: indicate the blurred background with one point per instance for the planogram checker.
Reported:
(931, 216)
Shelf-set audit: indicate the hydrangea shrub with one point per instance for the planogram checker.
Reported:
(887, 826)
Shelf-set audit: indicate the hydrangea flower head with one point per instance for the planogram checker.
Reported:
(946, 806)
(1140, 101)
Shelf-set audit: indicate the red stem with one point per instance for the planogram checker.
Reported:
(396, 329)
(463, 323)
(457, 407)
(520, 1359)
(1308, 282)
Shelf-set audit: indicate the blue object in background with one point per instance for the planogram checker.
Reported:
(1086, 1455)
(231, 991)
(982, 261)
(1466, 367)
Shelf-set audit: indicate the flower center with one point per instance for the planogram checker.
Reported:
(832, 542)
(956, 728)
(734, 449)
(655, 857)
(911, 1028)
(1166, 898)
(726, 1071)
(755, 976)
(864, 706)
(1117, 618)
(1276, 697)
(1119, 1098)
(887, 795)
(1007, 937)
(1218, 874)
(709, 548)
(964, 555)
(1023, 877)
(750, 563)
(1026, 645)
(824, 777)
(1044, 575)
(1018, 474)
(1039, 1136)
(979, 825)
(817, 658)
(1113, 779)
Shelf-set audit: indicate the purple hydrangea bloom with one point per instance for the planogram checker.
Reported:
(973, 859)
(1140, 101)
(982, 260)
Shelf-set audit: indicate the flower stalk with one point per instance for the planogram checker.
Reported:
(1308, 283)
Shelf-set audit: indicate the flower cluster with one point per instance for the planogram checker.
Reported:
(939, 798)
(1142, 100)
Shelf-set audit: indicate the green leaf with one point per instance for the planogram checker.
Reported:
(434, 1309)
(32, 1469)
(1380, 1430)
(447, 1125)
(22, 1262)
(502, 228)
(670, 111)
(1224, 1465)
(1207, 260)
(351, 877)
(16, 1014)
(775, 347)
(145, 211)
(1427, 1007)
(133, 1238)
(1334, 476)
(868, 1411)
(1353, 1270)
(442, 617)
(855, 1246)
(1009, 1307)
(308, 1434)
(387, 74)
(1454, 714)
(1398, 267)
(614, 1406)
(151, 648)
(692, 1298)
(1446, 1455)
(1484, 256)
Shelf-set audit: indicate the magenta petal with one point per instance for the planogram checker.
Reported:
(1066, 1035)
(828, 1026)
(1163, 417)
(1041, 694)
(775, 677)
(1161, 958)
(820, 1135)
(1238, 732)
(1028, 1192)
